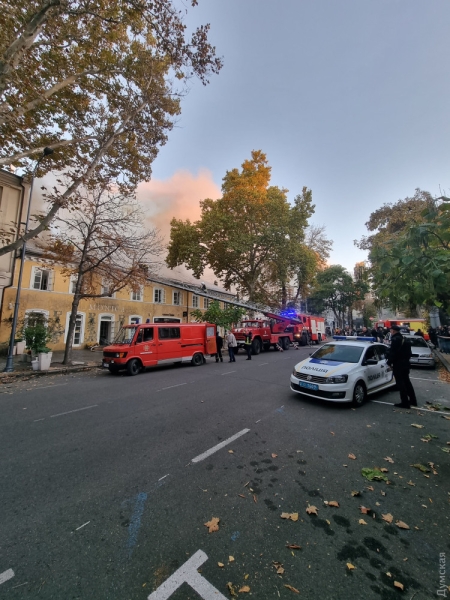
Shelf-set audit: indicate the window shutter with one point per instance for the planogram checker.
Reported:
(180, 299)
(163, 296)
(51, 280)
(36, 278)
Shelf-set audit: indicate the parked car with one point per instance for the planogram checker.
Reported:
(344, 370)
(422, 354)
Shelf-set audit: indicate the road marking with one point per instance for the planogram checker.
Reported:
(262, 364)
(161, 478)
(171, 386)
(427, 379)
(187, 573)
(228, 372)
(81, 526)
(421, 408)
(9, 574)
(36, 420)
(43, 387)
(219, 446)
(73, 411)
(380, 402)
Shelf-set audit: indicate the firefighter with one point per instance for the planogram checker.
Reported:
(219, 343)
(248, 345)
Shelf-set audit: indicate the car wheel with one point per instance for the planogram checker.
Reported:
(359, 394)
(197, 359)
(256, 347)
(133, 367)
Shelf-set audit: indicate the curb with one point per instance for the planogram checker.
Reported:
(443, 358)
(54, 371)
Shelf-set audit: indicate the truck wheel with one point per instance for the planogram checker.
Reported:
(359, 394)
(285, 343)
(133, 367)
(303, 339)
(197, 359)
(266, 347)
(256, 346)
(319, 338)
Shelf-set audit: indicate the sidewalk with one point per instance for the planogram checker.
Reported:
(81, 360)
(444, 358)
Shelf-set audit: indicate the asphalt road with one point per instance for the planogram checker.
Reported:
(105, 489)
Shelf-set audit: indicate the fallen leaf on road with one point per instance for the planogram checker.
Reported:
(329, 522)
(230, 451)
(231, 589)
(389, 574)
(399, 585)
(280, 570)
(245, 588)
(362, 522)
(293, 589)
(364, 510)
(402, 525)
(425, 440)
(312, 510)
(333, 503)
(352, 456)
(213, 525)
(383, 493)
(387, 517)
(410, 483)
(255, 499)
(293, 546)
(389, 459)
(422, 468)
(246, 576)
(274, 455)
(416, 425)
(370, 488)
(221, 565)
(384, 470)
(356, 493)
(447, 450)
(373, 474)
(350, 567)
(291, 516)
(332, 432)
(231, 559)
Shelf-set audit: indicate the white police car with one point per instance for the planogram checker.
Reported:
(344, 370)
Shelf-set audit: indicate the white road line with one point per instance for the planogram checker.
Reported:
(188, 573)
(81, 526)
(43, 387)
(164, 477)
(36, 420)
(262, 364)
(421, 408)
(6, 576)
(73, 411)
(219, 446)
(228, 372)
(427, 379)
(172, 386)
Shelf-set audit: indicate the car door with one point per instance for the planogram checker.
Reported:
(373, 372)
(386, 372)
(146, 347)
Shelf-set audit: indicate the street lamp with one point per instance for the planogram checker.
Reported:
(9, 368)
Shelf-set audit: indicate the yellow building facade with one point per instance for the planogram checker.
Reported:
(45, 291)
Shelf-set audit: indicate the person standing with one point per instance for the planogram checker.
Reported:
(248, 345)
(232, 344)
(398, 358)
(219, 344)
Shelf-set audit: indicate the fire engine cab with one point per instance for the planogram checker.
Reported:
(146, 345)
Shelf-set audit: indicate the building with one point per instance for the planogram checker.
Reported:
(46, 293)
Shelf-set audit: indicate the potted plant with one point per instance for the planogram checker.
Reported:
(37, 336)
(45, 358)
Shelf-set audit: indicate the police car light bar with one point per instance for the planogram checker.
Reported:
(354, 338)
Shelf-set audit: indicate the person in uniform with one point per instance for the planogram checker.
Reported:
(248, 345)
(398, 358)
(219, 344)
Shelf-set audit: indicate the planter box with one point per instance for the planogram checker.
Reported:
(45, 359)
(35, 364)
(19, 348)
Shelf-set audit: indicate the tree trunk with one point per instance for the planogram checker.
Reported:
(283, 296)
(71, 328)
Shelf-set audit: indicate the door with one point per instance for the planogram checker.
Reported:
(78, 331)
(105, 334)
(373, 372)
(386, 372)
(168, 344)
(146, 346)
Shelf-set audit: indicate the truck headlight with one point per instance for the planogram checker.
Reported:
(120, 354)
(337, 379)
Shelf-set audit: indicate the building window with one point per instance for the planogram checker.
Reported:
(137, 295)
(159, 296)
(42, 279)
(195, 302)
(106, 289)
(206, 302)
(36, 317)
(78, 332)
(177, 298)
(135, 320)
(72, 284)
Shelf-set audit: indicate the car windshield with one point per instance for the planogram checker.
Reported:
(254, 324)
(125, 335)
(339, 353)
(417, 342)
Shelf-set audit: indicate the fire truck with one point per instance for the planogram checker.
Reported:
(412, 324)
(280, 331)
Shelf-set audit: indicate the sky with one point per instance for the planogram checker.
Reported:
(347, 97)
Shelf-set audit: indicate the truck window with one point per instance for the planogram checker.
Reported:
(169, 333)
(145, 335)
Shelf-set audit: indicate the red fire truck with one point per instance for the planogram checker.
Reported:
(145, 345)
(280, 331)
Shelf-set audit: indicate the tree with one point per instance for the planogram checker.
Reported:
(98, 81)
(249, 236)
(101, 245)
(336, 290)
(413, 268)
(221, 317)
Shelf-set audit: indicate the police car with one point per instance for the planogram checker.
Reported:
(344, 370)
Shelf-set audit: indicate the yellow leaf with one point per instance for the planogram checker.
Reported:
(221, 565)
(274, 455)
(230, 451)
(387, 517)
(231, 589)
(402, 525)
(312, 510)
(417, 426)
(411, 483)
(350, 567)
(352, 456)
(280, 570)
(399, 585)
(213, 525)
(231, 559)
(246, 576)
(291, 516)
(389, 574)
(329, 522)
(333, 503)
(362, 522)
(356, 493)
(384, 470)
(389, 459)
(293, 589)
(245, 588)
(364, 510)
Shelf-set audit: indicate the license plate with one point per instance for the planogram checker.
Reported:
(105, 365)
(309, 386)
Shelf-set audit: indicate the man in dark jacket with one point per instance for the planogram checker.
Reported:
(219, 343)
(248, 345)
(398, 358)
